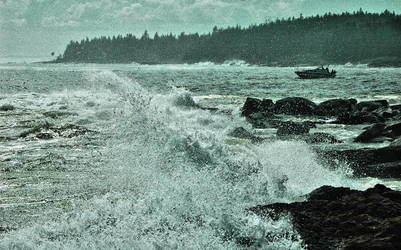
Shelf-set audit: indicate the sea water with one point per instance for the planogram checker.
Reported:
(127, 159)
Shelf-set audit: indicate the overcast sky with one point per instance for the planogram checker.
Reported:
(35, 28)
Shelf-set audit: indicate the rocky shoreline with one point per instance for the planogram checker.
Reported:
(338, 217)
(341, 218)
(382, 123)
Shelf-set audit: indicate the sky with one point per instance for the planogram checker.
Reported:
(35, 28)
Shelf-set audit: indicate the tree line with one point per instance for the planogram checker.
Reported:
(328, 38)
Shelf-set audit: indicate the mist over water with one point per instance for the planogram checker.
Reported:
(167, 175)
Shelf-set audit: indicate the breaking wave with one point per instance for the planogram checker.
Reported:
(173, 182)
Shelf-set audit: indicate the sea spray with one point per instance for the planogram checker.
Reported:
(174, 183)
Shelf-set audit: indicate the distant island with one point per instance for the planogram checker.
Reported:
(359, 37)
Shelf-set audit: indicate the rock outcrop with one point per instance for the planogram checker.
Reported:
(374, 162)
(294, 106)
(341, 218)
(335, 107)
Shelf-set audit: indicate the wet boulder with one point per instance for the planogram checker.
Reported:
(384, 113)
(251, 106)
(357, 118)
(320, 137)
(266, 106)
(242, 133)
(365, 162)
(396, 143)
(262, 120)
(384, 170)
(335, 107)
(292, 128)
(396, 107)
(372, 132)
(44, 136)
(370, 106)
(254, 105)
(294, 106)
(394, 130)
(342, 218)
(7, 107)
(58, 114)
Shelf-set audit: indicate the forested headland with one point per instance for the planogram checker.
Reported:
(330, 38)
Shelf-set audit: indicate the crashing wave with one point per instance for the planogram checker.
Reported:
(174, 183)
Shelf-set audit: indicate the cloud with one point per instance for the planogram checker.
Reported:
(103, 14)
(156, 14)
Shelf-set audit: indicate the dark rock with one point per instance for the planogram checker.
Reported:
(68, 130)
(335, 107)
(263, 120)
(321, 138)
(292, 128)
(185, 100)
(396, 107)
(394, 130)
(254, 105)
(329, 193)
(251, 106)
(364, 162)
(370, 106)
(36, 129)
(44, 136)
(384, 113)
(341, 218)
(294, 106)
(310, 124)
(57, 114)
(266, 105)
(396, 143)
(357, 118)
(242, 133)
(7, 107)
(384, 170)
(71, 130)
(372, 132)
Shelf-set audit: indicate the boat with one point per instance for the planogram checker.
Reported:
(316, 73)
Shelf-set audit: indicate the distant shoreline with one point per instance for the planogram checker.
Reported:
(358, 37)
(373, 63)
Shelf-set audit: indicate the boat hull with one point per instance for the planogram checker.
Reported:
(314, 75)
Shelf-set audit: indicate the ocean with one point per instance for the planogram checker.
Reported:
(109, 156)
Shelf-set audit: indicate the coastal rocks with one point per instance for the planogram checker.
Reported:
(372, 132)
(394, 130)
(294, 106)
(254, 105)
(396, 107)
(185, 100)
(380, 132)
(263, 120)
(383, 118)
(58, 114)
(47, 131)
(396, 143)
(293, 128)
(242, 133)
(7, 107)
(288, 106)
(373, 162)
(335, 107)
(357, 118)
(251, 106)
(321, 138)
(341, 218)
(36, 129)
(370, 106)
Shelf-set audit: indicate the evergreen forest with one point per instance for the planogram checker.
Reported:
(321, 39)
